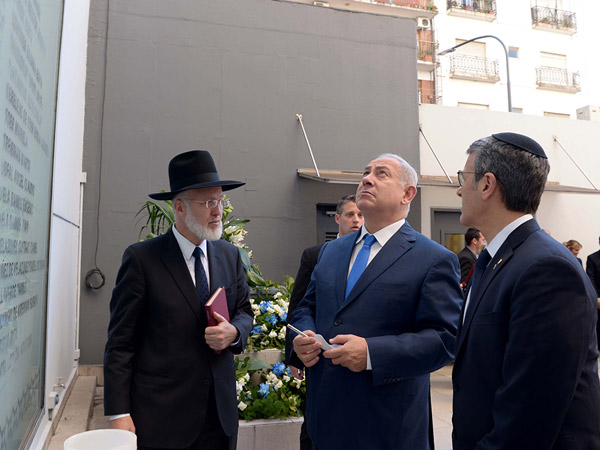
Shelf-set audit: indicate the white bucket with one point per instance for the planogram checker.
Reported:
(102, 440)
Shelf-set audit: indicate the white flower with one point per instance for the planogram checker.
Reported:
(242, 406)
(246, 377)
(250, 254)
(273, 334)
(278, 295)
(238, 387)
(271, 378)
(278, 385)
(286, 378)
(263, 327)
(281, 334)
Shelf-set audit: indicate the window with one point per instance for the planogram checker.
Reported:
(553, 60)
(473, 105)
(555, 114)
(517, 110)
(513, 52)
(472, 48)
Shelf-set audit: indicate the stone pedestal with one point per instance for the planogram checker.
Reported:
(270, 434)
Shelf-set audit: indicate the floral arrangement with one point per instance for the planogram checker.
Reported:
(270, 306)
(278, 395)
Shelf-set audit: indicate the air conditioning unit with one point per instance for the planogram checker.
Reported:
(423, 22)
(589, 113)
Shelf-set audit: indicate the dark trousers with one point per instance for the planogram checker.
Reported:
(212, 436)
(305, 442)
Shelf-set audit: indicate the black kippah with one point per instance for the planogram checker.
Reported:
(522, 142)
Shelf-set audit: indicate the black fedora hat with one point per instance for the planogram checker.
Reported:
(192, 170)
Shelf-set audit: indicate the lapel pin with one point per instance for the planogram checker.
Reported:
(497, 264)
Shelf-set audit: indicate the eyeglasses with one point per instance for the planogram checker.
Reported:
(210, 204)
(461, 177)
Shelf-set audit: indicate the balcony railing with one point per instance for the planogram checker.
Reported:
(479, 9)
(419, 4)
(426, 51)
(477, 68)
(557, 79)
(554, 19)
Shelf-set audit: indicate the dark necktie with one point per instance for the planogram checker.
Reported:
(480, 266)
(201, 283)
(360, 263)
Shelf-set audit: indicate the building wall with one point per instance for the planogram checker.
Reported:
(513, 25)
(230, 77)
(566, 215)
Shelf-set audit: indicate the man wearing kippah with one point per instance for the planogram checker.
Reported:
(525, 375)
(169, 377)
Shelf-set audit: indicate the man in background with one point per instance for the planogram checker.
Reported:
(390, 299)
(592, 268)
(526, 369)
(467, 257)
(349, 219)
(169, 377)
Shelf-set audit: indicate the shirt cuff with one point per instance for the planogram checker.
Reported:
(369, 366)
(118, 416)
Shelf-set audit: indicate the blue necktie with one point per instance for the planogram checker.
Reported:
(201, 283)
(480, 266)
(360, 263)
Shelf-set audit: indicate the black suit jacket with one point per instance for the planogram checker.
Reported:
(157, 365)
(525, 375)
(307, 264)
(466, 259)
(592, 267)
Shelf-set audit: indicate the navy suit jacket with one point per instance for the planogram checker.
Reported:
(406, 304)
(525, 375)
(157, 365)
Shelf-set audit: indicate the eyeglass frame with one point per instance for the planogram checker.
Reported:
(461, 177)
(211, 204)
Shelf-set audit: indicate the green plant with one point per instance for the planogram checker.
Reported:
(270, 307)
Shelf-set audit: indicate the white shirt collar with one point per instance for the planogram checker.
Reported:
(499, 239)
(187, 247)
(383, 235)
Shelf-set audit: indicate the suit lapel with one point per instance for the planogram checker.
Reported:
(393, 250)
(177, 268)
(214, 263)
(495, 266)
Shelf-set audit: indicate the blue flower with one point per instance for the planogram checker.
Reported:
(264, 306)
(271, 319)
(283, 316)
(263, 389)
(278, 368)
(257, 329)
(289, 372)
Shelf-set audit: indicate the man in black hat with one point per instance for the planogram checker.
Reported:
(525, 375)
(169, 377)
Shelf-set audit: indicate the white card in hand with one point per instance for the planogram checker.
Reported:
(324, 344)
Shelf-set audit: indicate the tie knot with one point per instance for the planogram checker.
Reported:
(197, 253)
(483, 259)
(369, 240)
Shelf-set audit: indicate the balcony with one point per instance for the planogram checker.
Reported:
(474, 68)
(556, 79)
(552, 19)
(427, 94)
(426, 55)
(473, 9)
(426, 5)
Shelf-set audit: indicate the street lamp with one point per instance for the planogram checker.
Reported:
(452, 49)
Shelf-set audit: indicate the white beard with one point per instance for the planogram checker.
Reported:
(200, 231)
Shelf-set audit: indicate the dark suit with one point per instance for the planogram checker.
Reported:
(525, 375)
(592, 268)
(157, 365)
(308, 261)
(406, 304)
(466, 259)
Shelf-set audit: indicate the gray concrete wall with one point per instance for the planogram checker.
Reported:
(230, 76)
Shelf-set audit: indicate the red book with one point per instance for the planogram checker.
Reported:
(216, 303)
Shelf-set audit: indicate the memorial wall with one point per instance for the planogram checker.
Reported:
(29, 49)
